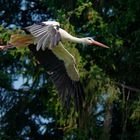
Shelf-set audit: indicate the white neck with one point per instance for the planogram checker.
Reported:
(66, 36)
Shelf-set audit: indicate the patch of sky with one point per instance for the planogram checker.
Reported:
(20, 81)
(41, 122)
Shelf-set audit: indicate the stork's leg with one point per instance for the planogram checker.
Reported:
(8, 46)
(68, 60)
(2, 47)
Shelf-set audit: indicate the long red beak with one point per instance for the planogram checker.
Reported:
(99, 44)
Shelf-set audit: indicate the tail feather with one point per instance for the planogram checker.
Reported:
(21, 40)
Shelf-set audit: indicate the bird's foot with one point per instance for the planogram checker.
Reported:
(2, 48)
(5, 47)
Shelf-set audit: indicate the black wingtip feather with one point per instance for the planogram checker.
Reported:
(67, 88)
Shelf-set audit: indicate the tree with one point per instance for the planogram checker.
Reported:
(111, 106)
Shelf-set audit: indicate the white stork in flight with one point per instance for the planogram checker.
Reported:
(45, 41)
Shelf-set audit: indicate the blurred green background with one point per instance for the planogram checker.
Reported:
(30, 108)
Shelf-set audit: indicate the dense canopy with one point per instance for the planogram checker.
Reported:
(30, 107)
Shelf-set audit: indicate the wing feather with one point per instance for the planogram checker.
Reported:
(46, 42)
(46, 36)
(66, 87)
(43, 39)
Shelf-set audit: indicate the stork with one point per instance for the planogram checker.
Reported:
(45, 41)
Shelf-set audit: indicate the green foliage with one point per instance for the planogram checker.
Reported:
(136, 111)
(4, 34)
(5, 77)
(110, 111)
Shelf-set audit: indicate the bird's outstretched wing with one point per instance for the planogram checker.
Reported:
(46, 35)
(55, 67)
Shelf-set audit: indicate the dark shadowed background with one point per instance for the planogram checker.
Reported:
(30, 108)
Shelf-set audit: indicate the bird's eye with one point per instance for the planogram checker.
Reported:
(90, 39)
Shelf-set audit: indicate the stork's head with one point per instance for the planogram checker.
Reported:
(91, 41)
